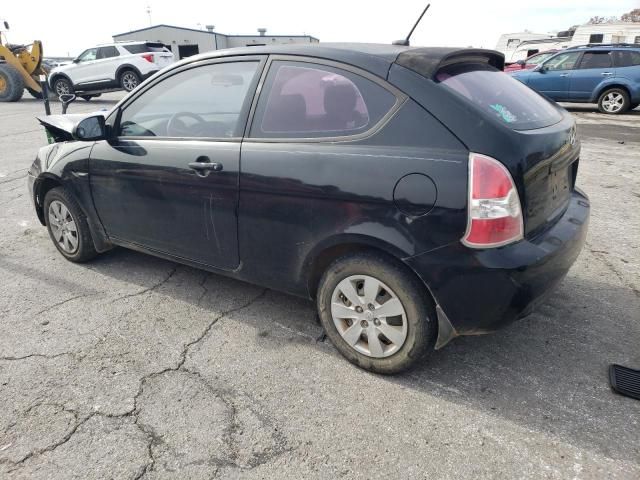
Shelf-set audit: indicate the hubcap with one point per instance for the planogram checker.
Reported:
(63, 227)
(369, 316)
(129, 81)
(62, 88)
(3, 84)
(613, 102)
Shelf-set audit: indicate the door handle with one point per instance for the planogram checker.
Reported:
(204, 164)
(606, 73)
(564, 74)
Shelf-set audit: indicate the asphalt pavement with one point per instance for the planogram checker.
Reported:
(130, 366)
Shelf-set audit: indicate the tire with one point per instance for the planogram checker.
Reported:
(414, 331)
(11, 83)
(62, 86)
(84, 249)
(614, 101)
(129, 80)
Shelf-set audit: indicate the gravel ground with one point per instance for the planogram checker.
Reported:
(132, 366)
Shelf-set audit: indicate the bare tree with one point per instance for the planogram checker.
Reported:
(632, 16)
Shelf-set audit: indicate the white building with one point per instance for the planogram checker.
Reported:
(184, 42)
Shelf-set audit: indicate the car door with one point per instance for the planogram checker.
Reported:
(594, 68)
(84, 69)
(553, 76)
(106, 64)
(167, 179)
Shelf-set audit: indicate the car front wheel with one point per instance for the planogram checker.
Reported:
(67, 226)
(378, 315)
(62, 86)
(614, 101)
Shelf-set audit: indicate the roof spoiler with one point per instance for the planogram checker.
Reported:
(427, 61)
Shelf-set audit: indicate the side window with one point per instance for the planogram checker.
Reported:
(596, 38)
(305, 100)
(88, 55)
(202, 102)
(596, 60)
(563, 61)
(107, 52)
(626, 58)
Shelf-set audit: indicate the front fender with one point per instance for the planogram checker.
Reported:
(66, 164)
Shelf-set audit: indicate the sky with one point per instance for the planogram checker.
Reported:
(71, 27)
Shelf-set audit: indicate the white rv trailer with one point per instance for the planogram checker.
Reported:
(619, 32)
(525, 49)
(510, 41)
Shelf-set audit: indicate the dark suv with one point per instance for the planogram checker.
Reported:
(608, 75)
(416, 194)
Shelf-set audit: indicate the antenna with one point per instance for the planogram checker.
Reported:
(405, 42)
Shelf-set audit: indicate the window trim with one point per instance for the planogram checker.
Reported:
(114, 120)
(400, 97)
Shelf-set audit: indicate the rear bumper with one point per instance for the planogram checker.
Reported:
(480, 291)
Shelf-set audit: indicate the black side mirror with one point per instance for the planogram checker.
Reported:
(6, 25)
(542, 69)
(90, 129)
(521, 63)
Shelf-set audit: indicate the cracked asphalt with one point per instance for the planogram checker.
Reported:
(135, 367)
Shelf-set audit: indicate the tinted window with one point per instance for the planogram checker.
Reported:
(200, 102)
(596, 60)
(107, 52)
(499, 95)
(626, 58)
(596, 38)
(306, 100)
(563, 61)
(145, 47)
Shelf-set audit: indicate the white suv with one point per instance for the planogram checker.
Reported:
(114, 66)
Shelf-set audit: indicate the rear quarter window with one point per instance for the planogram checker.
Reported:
(306, 100)
(498, 95)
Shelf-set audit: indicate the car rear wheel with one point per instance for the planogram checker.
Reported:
(129, 80)
(378, 315)
(62, 86)
(614, 101)
(67, 226)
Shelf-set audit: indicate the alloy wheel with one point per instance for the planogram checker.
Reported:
(63, 227)
(129, 81)
(613, 102)
(369, 316)
(62, 88)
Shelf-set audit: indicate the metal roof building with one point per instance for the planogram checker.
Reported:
(184, 42)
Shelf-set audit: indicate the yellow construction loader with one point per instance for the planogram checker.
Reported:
(20, 68)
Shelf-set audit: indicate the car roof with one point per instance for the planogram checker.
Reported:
(373, 57)
(606, 46)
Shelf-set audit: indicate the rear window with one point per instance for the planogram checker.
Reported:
(499, 95)
(145, 47)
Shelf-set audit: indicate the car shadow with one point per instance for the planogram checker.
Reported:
(547, 372)
(593, 108)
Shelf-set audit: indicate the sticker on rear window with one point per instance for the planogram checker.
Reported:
(504, 113)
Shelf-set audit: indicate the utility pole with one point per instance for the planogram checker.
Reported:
(149, 13)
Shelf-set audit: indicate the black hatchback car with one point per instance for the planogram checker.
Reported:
(415, 194)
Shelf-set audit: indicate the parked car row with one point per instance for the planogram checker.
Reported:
(608, 75)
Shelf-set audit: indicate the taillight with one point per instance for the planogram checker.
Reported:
(148, 57)
(495, 214)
